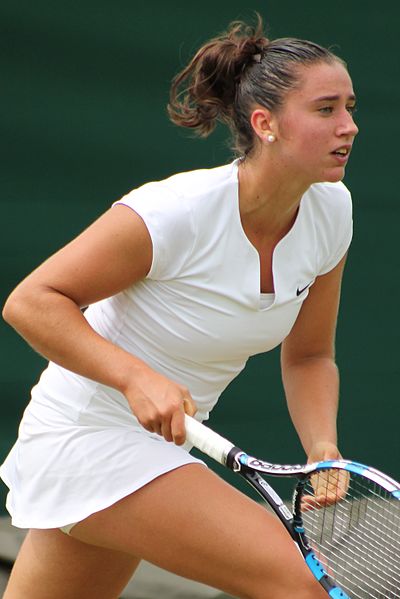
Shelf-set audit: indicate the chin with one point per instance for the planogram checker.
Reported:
(333, 176)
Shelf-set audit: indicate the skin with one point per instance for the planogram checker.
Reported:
(45, 310)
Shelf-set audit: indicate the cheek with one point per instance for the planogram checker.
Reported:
(311, 145)
(297, 135)
(303, 146)
(303, 142)
(313, 142)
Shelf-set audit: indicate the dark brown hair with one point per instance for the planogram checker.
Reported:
(232, 72)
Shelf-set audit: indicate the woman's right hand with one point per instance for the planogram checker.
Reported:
(159, 404)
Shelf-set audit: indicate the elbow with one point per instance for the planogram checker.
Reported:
(322, 359)
(19, 307)
(13, 309)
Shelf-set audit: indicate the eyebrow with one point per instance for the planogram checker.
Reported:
(333, 98)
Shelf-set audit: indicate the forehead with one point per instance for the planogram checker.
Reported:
(322, 80)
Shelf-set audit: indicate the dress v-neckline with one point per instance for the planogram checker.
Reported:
(266, 299)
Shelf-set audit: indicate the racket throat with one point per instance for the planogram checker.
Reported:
(270, 496)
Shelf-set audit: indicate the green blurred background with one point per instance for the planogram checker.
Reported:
(84, 87)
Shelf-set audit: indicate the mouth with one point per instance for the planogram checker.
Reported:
(342, 151)
(342, 154)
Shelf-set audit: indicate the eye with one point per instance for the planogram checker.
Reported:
(352, 109)
(326, 109)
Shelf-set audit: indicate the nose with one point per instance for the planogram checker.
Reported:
(347, 126)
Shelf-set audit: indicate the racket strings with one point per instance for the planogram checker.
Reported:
(353, 526)
(345, 554)
(357, 578)
(374, 560)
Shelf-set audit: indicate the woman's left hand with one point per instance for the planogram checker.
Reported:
(330, 486)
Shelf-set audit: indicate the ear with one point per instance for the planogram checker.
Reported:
(262, 122)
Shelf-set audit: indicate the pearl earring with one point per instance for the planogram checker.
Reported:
(271, 138)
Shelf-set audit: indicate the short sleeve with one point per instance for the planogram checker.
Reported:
(169, 223)
(337, 234)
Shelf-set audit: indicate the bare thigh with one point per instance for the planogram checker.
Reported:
(192, 523)
(51, 564)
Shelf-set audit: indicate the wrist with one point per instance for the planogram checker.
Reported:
(323, 450)
(130, 370)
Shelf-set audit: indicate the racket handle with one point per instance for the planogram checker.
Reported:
(209, 442)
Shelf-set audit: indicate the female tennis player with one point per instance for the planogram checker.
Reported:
(184, 279)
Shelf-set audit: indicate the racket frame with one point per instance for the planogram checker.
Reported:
(251, 468)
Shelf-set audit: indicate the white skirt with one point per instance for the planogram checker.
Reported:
(79, 451)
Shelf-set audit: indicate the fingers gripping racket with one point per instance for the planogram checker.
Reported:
(345, 517)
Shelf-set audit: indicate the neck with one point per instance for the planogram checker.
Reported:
(268, 198)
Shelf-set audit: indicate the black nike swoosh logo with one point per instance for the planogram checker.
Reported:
(300, 291)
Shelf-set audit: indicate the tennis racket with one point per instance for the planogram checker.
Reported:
(345, 517)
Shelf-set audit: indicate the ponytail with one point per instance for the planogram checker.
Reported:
(204, 92)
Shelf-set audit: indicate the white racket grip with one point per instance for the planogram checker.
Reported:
(209, 442)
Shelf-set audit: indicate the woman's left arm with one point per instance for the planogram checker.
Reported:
(309, 372)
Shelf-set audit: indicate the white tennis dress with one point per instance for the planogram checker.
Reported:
(196, 318)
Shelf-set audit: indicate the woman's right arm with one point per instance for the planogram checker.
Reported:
(45, 309)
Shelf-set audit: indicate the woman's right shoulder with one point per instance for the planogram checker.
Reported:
(177, 212)
(185, 184)
(203, 181)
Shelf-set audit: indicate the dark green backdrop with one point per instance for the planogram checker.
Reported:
(83, 93)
